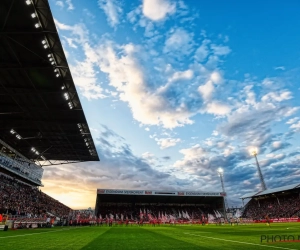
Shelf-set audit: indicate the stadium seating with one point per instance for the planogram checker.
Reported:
(286, 206)
(165, 213)
(23, 200)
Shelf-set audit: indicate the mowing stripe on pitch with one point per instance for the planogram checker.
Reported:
(240, 242)
(22, 235)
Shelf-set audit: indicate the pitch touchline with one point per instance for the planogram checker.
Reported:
(241, 242)
(22, 235)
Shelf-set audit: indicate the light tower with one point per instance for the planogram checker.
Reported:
(262, 181)
(220, 172)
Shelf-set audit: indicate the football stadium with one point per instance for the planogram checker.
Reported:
(42, 123)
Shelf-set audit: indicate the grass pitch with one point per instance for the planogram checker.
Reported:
(147, 237)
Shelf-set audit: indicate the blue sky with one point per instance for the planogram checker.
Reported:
(173, 90)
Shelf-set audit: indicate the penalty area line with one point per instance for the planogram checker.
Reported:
(240, 242)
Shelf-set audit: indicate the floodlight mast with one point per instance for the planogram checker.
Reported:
(220, 172)
(262, 181)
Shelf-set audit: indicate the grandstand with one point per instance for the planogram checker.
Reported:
(42, 122)
(163, 206)
(277, 203)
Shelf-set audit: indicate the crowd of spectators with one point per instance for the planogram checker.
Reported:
(162, 212)
(284, 206)
(19, 199)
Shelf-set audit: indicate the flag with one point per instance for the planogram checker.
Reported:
(216, 213)
(238, 213)
(141, 214)
(219, 215)
(211, 218)
(187, 215)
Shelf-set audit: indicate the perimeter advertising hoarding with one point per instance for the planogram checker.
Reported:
(279, 220)
(155, 192)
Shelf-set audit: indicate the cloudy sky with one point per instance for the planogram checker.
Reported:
(173, 90)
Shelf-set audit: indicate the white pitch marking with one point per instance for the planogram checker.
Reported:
(241, 242)
(22, 235)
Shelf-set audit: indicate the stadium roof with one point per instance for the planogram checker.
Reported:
(155, 196)
(40, 112)
(249, 195)
(271, 191)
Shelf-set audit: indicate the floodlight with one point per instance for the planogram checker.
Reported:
(253, 151)
(37, 25)
(28, 2)
(33, 15)
(12, 131)
(45, 46)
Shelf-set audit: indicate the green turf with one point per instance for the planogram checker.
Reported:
(148, 237)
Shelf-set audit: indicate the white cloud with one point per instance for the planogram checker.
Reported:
(276, 144)
(191, 158)
(70, 42)
(60, 4)
(280, 68)
(206, 90)
(167, 142)
(70, 5)
(157, 10)
(112, 10)
(83, 72)
(126, 74)
(268, 82)
(296, 126)
(290, 111)
(292, 120)
(215, 77)
(182, 75)
(203, 51)
(180, 41)
(217, 108)
(278, 97)
(220, 50)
